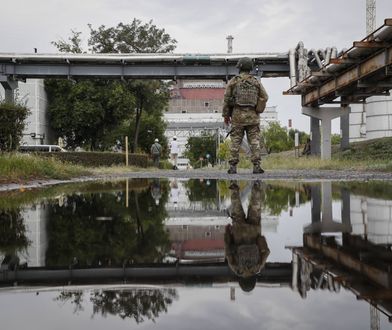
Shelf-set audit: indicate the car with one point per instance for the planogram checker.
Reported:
(41, 148)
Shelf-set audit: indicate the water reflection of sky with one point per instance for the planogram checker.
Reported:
(198, 308)
(118, 224)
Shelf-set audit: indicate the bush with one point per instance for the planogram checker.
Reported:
(12, 123)
(96, 159)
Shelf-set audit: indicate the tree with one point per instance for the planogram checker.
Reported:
(88, 111)
(84, 113)
(199, 147)
(224, 150)
(12, 123)
(276, 138)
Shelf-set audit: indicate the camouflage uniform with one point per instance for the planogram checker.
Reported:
(243, 119)
(246, 249)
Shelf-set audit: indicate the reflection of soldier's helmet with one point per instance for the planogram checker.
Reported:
(247, 284)
(245, 64)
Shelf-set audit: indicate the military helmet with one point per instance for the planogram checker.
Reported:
(245, 64)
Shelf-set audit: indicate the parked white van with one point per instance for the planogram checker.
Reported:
(41, 148)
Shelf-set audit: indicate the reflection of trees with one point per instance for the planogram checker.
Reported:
(12, 231)
(138, 304)
(95, 229)
(202, 191)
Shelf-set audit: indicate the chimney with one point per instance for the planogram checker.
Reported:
(229, 44)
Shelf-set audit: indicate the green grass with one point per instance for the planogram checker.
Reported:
(23, 167)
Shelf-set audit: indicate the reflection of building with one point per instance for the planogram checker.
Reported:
(356, 264)
(35, 218)
(373, 218)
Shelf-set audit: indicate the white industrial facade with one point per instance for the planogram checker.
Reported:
(32, 94)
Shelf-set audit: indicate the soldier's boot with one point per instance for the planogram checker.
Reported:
(232, 169)
(257, 169)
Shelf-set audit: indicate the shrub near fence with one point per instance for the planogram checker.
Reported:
(96, 159)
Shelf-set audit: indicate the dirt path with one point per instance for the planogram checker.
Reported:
(297, 175)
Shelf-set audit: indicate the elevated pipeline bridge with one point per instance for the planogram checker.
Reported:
(138, 66)
(156, 273)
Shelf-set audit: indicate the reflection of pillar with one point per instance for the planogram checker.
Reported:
(374, 318)
(326, 204)
(294, 282)
(327, 224)
(316, 203)
(232, 293)
(346, 208)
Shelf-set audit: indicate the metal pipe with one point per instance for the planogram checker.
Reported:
(321, 54)
(293, 78)
(316, 56)
(13, 57)
(328, 53)
(334, 52)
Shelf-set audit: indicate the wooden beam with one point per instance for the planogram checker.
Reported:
(343, 61)
(370, 44)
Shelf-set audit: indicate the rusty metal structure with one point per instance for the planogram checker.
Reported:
(363, 70)
(344, 78)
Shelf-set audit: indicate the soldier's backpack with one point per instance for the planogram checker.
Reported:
(246, 92)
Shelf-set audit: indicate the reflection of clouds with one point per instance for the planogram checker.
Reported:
(203, 308)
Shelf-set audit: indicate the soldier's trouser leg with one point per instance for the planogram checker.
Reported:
(237, 211)
(254, 207)
(237, 133)
(253, 135)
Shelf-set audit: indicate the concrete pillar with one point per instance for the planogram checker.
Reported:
(345, 130)
(326, 138)
(325, 115)
(9, 86)
(315, 136)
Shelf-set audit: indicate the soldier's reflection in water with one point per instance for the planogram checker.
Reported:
(246, 249)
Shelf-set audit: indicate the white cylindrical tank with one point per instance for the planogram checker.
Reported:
(378, 117)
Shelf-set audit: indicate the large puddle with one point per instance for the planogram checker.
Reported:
(191, 254)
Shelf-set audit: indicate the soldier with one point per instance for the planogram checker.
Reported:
(246, 249)
(245, 98)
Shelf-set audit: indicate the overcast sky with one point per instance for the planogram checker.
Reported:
(200, 27)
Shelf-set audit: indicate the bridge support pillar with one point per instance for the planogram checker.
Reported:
(9, 86)
(345, 130)
(315, 136)
(325, 116)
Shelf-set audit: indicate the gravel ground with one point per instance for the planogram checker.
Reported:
(296, 175)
